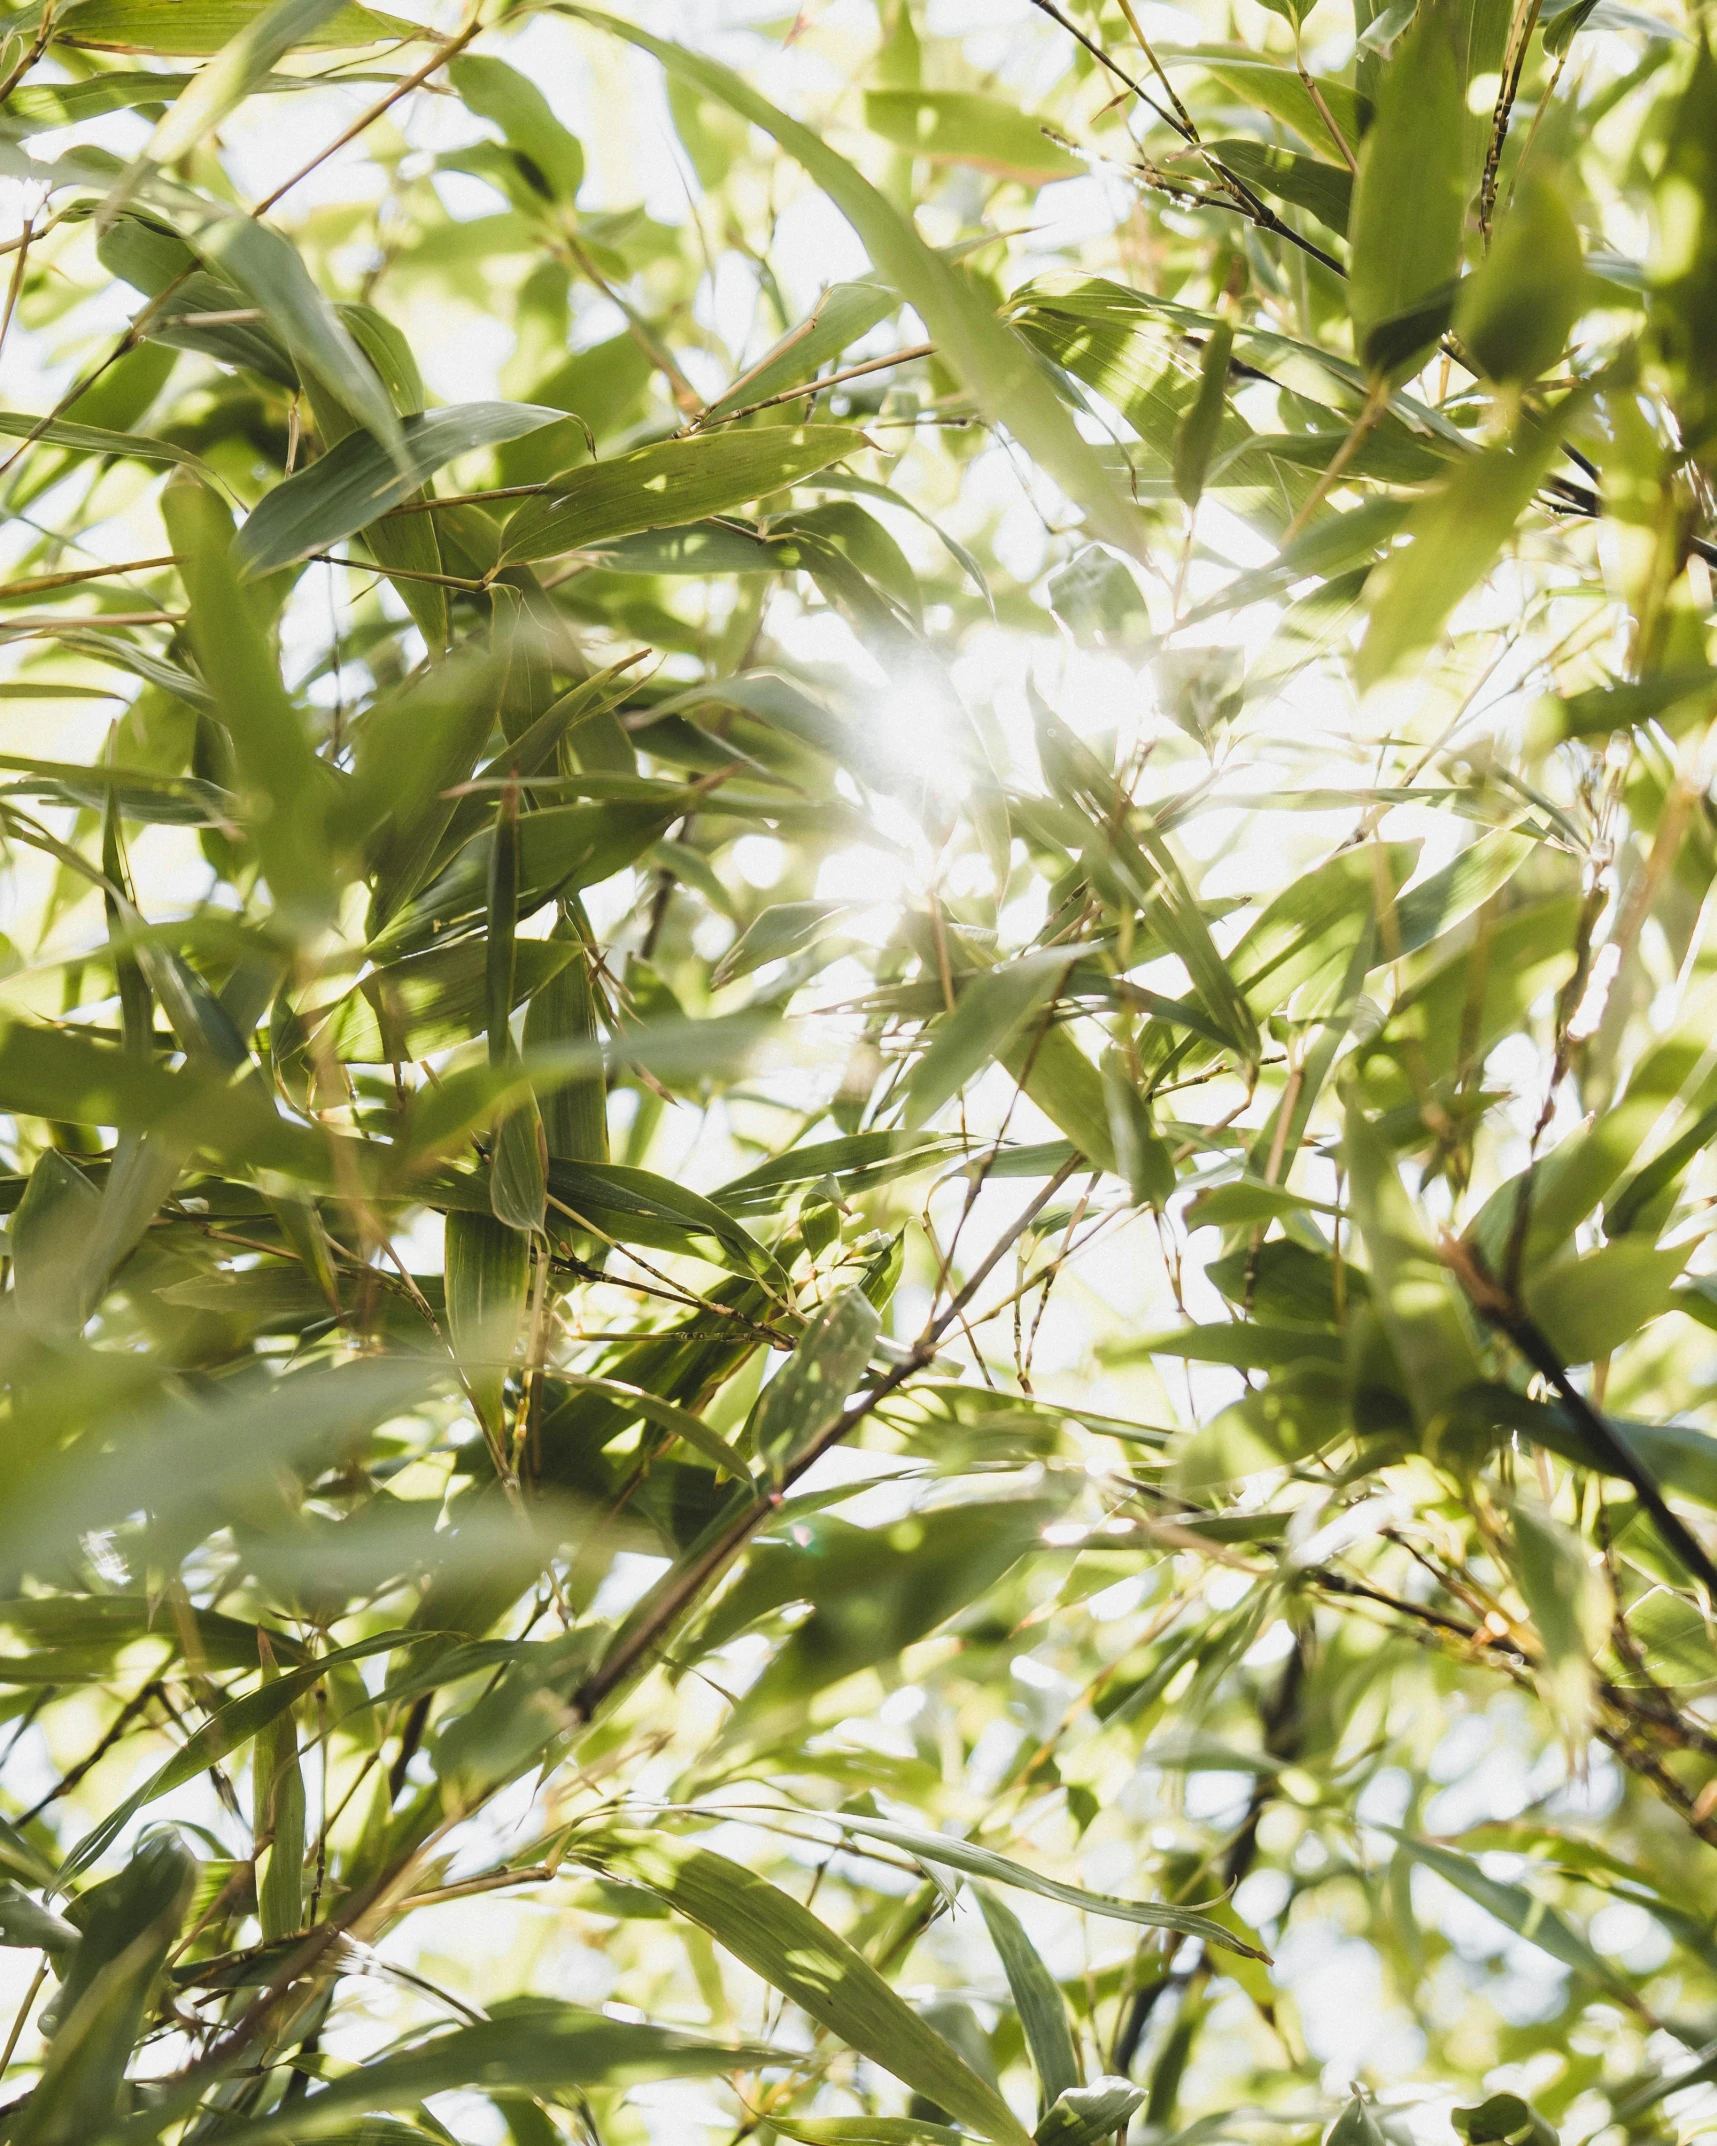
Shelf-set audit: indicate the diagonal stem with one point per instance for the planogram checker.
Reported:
(1501, 1309)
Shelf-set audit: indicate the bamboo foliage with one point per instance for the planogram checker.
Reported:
(855, 1073)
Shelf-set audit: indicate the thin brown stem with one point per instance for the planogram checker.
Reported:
(1376, 402)
(16, 285)
(1519, 39)
(383, 105)
(814, 387)
(40, 584)
(23, 2013)
(1499, 1308)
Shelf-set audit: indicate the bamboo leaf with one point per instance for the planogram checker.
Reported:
(537, 2046)
(803, 1958)
(1037, 1998)
(1513, 1906)
(513, 102)
(1084, 2114)
(279, 1820)
(844, 313)
(1409, 198)
(128, 1925)
(985, 1863)
(267, 267)
(196, 29)
(236, 70)
(1414, 1292)
(675, 481)
(962, 127)
(287, 800)
(488, 1279)
(85, 439)
(1196, 436)
(989, 1012)
(358, 480)
(630, 1204)
(808, 1393)
(1455, 535)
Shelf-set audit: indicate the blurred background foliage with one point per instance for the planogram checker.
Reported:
(856, 1036)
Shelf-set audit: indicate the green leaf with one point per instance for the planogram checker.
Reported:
(802, 1957)
(1456, 534)
(1512, 1905)
(488, 1280)
(775, 934)
(561, 849)
(25, 1924)
(1096, 598)
(806, 1396)
(1410, 198)
(844, 313)
(1414, 1292)
(853, 1164)
(1281, 92)
(637, 1206)
(984, 1863)
(1355, 2126)
(279, 1820)
(43, 106)
(128, 1925)
(1309, 183)
(1679, 1456)
(1142, 1156)
(98, 1627)
(874, 1591)
(195, 29)
(1066, 1087)
(1195, 436)
(1037, 1999)
(553, 159)
(358, 480)
(1084, 2114)
(675, 481)
(1684, 277)
(516, 1188)
(536, 2046)
(96, 440)
(1514, 313)
(1560, 1189)
(563, 1011)
(866, 2131)
(951, 126)
(1503, 2120)
(49, 1232)
(1591, 1304)
(1602, 709)
(1646, 1190)
(227, 1730)
(1444, 897)
(1244, 1344)
(990, 359)
(429, 1002)
(989, 1011)
(287, 801)
(1571, 1605)
(268, 268)
(679, 1421)
(49, 1073)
